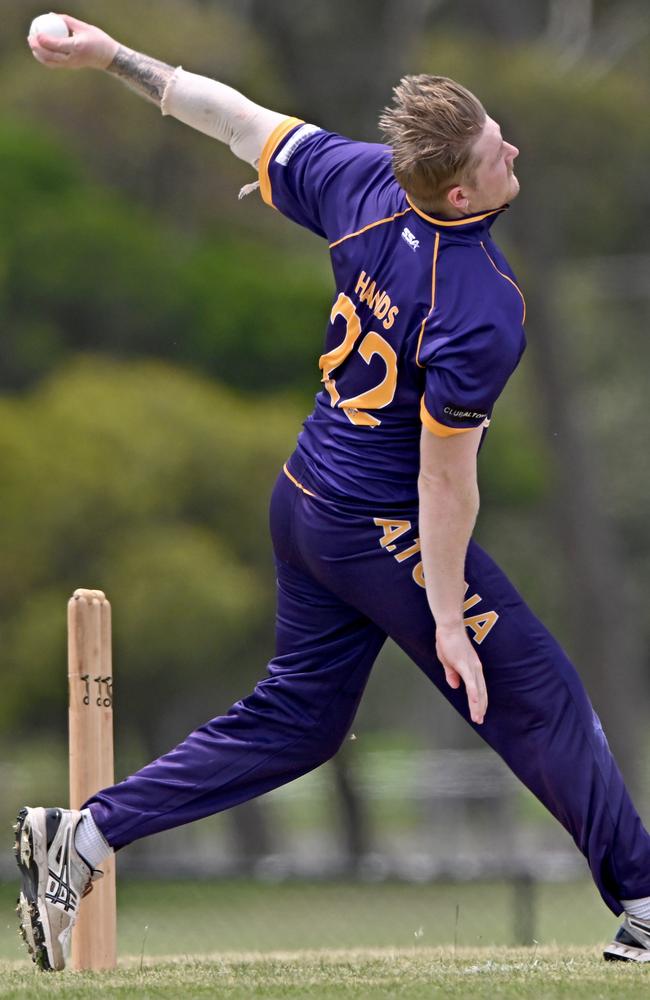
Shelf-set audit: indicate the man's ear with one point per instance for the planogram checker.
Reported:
(458, 199)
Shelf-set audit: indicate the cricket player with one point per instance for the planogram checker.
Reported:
(372, 516)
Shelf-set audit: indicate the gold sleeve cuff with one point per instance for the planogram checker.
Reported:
(270, 146)
(440, 430)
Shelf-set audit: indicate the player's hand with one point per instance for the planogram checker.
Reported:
(86, 48)
(461, 664)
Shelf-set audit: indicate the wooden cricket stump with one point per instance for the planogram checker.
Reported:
(90, 720)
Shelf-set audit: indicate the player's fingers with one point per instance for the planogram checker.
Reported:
(50, 58)
(477, 695)
(39, 55)
(482, 688)
(73, 23)
(452, 676)
(61, 45)
(475, 702)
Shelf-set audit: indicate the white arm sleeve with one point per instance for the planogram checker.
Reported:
(221, 112)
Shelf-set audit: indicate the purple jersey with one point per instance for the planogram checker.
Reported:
(426, 323)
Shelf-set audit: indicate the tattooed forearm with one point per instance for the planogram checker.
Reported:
(148, 77)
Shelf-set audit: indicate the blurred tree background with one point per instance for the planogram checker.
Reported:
(159, 347)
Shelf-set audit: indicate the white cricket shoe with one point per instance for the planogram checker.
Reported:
(55, 878)
(632, 943)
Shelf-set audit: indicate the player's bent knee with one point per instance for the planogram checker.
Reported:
(321, 746)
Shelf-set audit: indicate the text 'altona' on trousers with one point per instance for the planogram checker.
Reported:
(346, 580)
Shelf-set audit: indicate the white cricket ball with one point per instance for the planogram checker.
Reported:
(49, 24)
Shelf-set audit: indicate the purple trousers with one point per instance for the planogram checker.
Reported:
(346, 580)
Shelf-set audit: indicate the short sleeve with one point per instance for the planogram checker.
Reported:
(325, 182)
(465, 375)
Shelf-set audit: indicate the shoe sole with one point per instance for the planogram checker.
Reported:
(616, 952)
(31, 857)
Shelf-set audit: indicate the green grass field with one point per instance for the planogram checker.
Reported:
(416, 974)
(245, 940)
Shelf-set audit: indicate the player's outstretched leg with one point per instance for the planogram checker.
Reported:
(294, 720)
(54, 879)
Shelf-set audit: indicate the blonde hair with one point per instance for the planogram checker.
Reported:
(432, 126)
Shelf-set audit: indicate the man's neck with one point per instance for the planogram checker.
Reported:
(438, 211)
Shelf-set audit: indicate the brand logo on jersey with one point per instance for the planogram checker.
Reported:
(410, 239)
(458, 413)
(296, 140)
